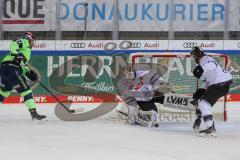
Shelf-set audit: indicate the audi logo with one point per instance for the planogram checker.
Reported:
(134, 45)
(189, 44)
(77, 45)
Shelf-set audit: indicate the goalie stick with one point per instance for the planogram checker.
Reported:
(98, 111)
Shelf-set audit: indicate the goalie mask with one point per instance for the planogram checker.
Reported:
(197, 53)
(128, 72)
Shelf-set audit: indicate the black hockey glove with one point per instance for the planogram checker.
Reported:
(19, 59)
(32, 75)
(198, 71)
(199, 93)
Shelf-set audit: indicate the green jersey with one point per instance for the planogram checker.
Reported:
(18, 46)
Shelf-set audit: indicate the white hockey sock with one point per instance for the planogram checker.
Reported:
(206, 110)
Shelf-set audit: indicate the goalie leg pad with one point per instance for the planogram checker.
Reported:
(151, 117)
(163, 87)
(144, 123)
(132, 114)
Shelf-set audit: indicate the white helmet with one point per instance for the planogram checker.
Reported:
(128, 72)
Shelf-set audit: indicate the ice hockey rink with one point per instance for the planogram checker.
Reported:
(107, 139)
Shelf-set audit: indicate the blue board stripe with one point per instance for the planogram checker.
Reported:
(104, 52)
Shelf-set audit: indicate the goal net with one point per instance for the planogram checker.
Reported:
(179, 74)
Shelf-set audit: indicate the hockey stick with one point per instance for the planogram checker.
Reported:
(121, 112)
(65, 107)
(66, 114)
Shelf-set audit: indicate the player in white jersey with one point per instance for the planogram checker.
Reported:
(216, 84)
(137, 88)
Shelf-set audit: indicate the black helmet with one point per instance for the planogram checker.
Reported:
(197, 53)
(197, 50)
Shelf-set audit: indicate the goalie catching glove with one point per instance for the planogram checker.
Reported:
(163, 87)
(32, 75)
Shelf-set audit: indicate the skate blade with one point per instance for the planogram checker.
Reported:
(211, 135)
(36, 121)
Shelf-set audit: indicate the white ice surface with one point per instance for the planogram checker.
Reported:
(104, 139)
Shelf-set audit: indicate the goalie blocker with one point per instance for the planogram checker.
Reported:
(170, 100)
(164, 95)
(179, 102)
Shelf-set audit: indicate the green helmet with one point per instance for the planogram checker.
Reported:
(30, 36)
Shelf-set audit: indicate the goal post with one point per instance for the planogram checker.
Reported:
(179, 74)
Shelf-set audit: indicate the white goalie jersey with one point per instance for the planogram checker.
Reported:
(140, 88)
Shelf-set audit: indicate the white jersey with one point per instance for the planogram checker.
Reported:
(139, 89)
(213, 73)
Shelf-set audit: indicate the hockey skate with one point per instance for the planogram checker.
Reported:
(211, 132)
(196, 125)
(36, 118)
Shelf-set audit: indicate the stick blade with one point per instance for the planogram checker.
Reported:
(100, 110)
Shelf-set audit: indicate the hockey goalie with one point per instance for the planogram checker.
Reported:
(141, 87)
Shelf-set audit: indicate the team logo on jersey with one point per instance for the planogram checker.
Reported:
(139, 85)
(147, 92)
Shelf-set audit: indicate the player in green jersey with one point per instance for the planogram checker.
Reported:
(15, 73)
